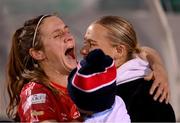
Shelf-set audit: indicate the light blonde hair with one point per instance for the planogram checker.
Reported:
(120, 31)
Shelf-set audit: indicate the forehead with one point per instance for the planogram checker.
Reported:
(50, 24)
(96, 31)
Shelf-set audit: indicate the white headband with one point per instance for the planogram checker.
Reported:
(35, 33)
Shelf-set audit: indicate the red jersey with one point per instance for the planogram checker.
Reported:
(37, 103)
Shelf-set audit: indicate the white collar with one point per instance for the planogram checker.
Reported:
(132, 70)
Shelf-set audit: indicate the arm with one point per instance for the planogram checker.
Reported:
(159, 74)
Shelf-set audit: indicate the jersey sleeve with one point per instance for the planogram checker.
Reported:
(37, 103)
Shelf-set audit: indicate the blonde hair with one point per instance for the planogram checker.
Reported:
(120, 31)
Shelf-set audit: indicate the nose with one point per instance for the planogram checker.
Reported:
(68, 37)
(85, 50)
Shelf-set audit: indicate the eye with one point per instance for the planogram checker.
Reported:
(56, 36)
(85, 43)
(92, 44)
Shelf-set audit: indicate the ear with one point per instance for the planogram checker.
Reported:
(120, 55)
(37, 54)
(121, 50)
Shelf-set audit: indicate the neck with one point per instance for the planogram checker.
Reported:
(119, 62)
(56, 75)
(58, 78)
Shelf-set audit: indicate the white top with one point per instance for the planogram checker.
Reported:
(116, 114)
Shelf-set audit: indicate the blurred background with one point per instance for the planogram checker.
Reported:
(157, 23)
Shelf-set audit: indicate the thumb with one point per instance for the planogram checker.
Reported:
(149, 76)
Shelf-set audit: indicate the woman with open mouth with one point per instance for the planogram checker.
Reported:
(41, 58)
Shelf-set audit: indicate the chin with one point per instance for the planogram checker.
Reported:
(69, 67)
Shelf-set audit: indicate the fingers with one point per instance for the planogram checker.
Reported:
(153, 87)
(168, 98)
(158, 92)
(162, 92)
(163, 96)
(149, 76)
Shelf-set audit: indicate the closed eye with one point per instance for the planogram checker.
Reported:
(92, 43)
(56, 36)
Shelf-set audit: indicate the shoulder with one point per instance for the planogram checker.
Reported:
(36, 103)
(33, 87)
(35, 93)
(135, 90)
(135, 85)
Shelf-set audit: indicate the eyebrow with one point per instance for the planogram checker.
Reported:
(57, 30)
(91, 40)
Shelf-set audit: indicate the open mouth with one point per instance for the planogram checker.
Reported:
(70, 52)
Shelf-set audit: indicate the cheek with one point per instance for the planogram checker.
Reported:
(108, 50)
(55, 50)
(93, 48)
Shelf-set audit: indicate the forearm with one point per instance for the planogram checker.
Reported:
(152, 56)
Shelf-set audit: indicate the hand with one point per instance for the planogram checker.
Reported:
(160, 84)
(160, 87)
